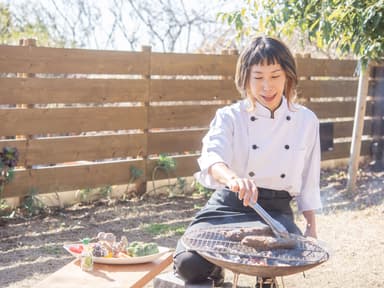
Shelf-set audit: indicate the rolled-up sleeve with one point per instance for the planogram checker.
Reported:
(217, 147)
(309, 197)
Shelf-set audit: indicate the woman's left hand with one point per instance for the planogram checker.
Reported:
(310, 231)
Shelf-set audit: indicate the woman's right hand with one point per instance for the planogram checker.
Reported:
(246, 189)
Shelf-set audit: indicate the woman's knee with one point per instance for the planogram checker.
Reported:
(192, 267)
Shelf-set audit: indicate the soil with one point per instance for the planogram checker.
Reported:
(351, 224)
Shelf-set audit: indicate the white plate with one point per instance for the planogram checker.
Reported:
(128, 260)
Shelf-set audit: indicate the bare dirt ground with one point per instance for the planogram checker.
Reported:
(351, 225)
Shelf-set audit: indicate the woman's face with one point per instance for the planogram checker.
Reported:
(266, 84)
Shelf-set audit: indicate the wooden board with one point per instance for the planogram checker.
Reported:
(307, 67)
(62, 90)
(193, 90)
(75, 120)
(181, 116)
(344, 129)
(192, 64)
(90, 175)
(186, 165)
(82, 148)
(327, 88)
(324, 110)
(18, 59)
(342, 150)
(66, 178)
(175, 141)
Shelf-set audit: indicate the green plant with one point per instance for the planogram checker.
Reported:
(106, 191)
(201, 190)
(31, 204)
(166, 164)
(84, 195)
(135, 174)
(160, 229)
(9, 157)
(181, 183)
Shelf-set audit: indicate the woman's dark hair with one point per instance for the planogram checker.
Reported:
(266, 50)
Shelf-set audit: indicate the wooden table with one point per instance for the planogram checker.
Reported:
(105, 275)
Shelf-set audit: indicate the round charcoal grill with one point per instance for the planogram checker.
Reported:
(211, 244)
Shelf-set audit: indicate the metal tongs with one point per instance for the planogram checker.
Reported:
(277, 228)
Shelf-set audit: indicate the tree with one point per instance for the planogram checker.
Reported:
(347, 25)
(69, 23)
(13, 28)
(166, 25)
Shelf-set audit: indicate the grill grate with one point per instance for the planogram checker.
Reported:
(213, 245)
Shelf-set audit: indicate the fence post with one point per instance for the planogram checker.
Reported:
(141, 187)
(28, 43)
(358, 126)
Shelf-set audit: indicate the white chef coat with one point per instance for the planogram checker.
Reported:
(280, 152)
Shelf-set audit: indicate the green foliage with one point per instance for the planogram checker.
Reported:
(106, 191)
(31, 204)
(84, 195)
(52, 250)
(181, 183)
(5, 209)
(160, 229)
(166, 164)
(201, 190)
(352, 26)
(9, 157)
(135, 173)
(15, 27)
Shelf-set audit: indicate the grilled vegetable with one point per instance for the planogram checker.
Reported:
(138, 249)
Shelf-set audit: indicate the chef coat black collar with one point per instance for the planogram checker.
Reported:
(262, 111)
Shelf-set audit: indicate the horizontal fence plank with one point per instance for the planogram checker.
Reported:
(344, 129)
(181, 116)
(75, 120)
(65, 178)
(186, 165)
(327, 88)
(84, 148)
(307, 67)
(18, 59)
(335, 109)
(193, 90)
(192, 64)
(376, 88)
(342, 150)
(175, 141)
(61, 90)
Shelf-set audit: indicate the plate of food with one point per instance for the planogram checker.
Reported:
(105, 249)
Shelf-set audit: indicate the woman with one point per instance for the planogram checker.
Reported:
(264, 148)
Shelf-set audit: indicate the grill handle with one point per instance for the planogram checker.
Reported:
(278, 229)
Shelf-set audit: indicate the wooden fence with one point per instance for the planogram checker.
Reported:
(83, 118)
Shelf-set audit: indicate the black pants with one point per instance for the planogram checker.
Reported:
(225, 209)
